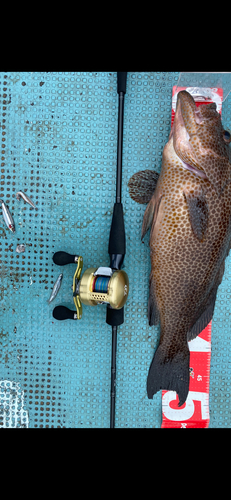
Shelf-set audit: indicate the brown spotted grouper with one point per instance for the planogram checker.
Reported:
(189, 212)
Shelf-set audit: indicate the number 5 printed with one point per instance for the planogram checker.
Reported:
(187, 412)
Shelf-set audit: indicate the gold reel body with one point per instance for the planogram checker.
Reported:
(101, 285)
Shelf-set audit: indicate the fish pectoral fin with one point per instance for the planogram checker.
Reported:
(198, 212)
(142, 185)
(150, 214)
(169, 373)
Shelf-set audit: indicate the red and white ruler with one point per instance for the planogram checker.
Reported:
(195, 411)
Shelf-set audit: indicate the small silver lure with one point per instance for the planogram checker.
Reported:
(20, 248)
(25, 198)
(7, 217)
(56, 288)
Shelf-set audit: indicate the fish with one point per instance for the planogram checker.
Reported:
(20, 248)
(7, 217)
(25, 198)
(56, 288)
(189, 213)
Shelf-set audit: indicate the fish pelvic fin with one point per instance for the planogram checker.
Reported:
(142, 185)
(169, 373)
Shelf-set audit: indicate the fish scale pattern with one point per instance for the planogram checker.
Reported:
(59, 146)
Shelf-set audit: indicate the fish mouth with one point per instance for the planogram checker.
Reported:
(184, 126)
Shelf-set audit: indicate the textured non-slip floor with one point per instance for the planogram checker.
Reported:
(59, 145)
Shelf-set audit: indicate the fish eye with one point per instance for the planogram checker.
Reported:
(226, 136)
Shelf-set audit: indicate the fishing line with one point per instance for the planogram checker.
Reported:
(100, 284)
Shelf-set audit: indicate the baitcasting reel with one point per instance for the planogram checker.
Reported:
(102, 285)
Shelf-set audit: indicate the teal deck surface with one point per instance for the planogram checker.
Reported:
(59, 145)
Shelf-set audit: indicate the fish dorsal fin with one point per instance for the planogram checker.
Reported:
(142, 185)
(198, 212)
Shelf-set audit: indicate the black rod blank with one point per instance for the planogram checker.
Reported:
(120, 148)
(113, 376)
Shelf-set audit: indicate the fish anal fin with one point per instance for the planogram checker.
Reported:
(150, 214)
(205, 312)
(198, 213)
(142, 185)
(229, 248)
(203, 320)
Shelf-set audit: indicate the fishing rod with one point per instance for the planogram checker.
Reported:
(117, 242)
(104, 285)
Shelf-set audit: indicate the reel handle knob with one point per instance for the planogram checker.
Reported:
(61, 312)
(63, 258)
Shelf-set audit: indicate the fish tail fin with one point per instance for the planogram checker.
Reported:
(169, 373)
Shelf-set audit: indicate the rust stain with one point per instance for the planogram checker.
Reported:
(3, 335)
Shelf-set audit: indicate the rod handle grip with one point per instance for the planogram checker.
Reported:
(121, 81)
(114, 317)
(117, 243)
(63, 258)
(61, 312)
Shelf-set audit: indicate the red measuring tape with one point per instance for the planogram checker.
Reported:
(195, 411)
